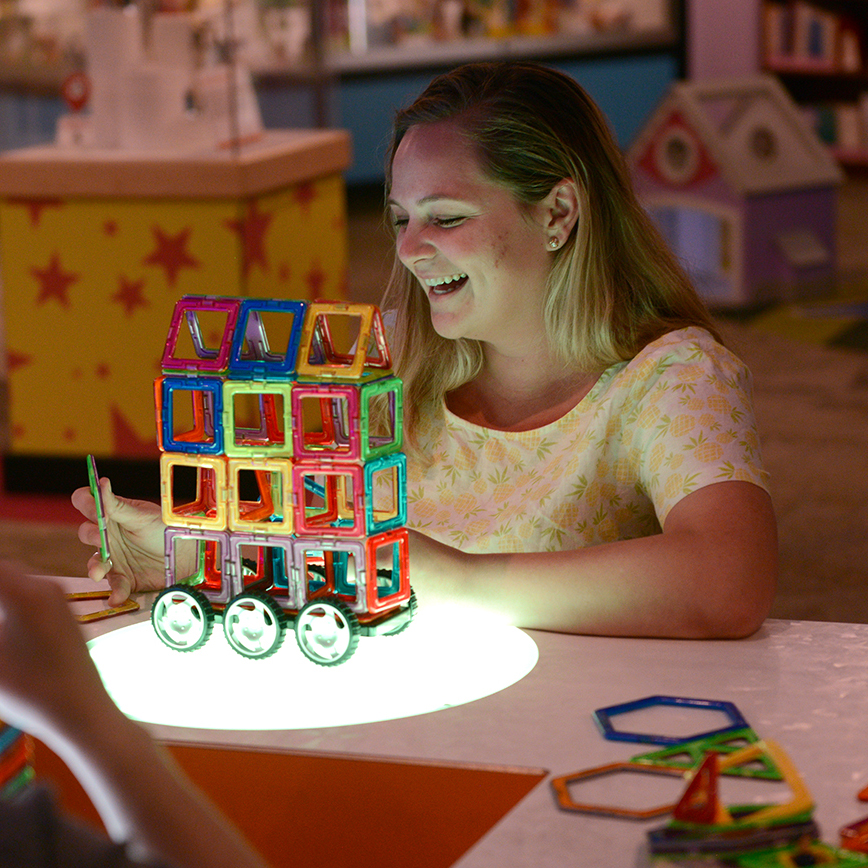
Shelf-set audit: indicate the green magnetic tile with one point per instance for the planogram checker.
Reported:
(721, 743)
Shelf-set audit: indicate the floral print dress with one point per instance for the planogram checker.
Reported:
(673, 419)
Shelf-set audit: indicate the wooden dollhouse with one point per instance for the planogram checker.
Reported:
(742, 189)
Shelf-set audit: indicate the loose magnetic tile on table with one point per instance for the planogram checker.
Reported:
(603, 718)
(722, 743)
(561, 787)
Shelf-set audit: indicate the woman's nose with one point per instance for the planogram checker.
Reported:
(413, 245)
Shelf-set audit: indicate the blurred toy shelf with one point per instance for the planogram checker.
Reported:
(424, 53)
(817, 70)
(818, 50)
(304, 42)
(47, 79)
(42, 41)
(427, 53)
(33, 79)
(350, 63)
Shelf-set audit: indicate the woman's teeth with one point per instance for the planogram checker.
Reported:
(445, 284)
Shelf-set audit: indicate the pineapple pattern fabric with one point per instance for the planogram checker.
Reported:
(652, 430)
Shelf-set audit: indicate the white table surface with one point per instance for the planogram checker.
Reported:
(803, 684)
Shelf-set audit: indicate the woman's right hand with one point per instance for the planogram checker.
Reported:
(135, 535)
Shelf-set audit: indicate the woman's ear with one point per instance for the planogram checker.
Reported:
(561, 209)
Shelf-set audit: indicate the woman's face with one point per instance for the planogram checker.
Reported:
(480, 257)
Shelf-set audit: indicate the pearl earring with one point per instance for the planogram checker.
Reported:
(554, 243)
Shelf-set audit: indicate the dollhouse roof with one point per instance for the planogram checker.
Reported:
(747, 130)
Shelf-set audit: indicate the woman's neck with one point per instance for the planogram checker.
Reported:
(519, 393)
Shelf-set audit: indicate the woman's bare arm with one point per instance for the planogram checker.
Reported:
(710, 574)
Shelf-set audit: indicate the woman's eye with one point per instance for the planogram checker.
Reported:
(443, 222)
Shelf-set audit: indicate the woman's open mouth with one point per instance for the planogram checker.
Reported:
(445, 285)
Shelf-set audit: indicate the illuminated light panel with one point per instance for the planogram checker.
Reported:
(424, 669)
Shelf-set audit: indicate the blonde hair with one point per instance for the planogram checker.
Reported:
(614, 286)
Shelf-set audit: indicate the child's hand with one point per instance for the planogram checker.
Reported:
(47, 680)
(135, 535)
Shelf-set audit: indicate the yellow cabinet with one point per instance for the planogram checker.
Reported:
(97, 246)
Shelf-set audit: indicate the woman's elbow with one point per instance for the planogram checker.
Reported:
(743, 609)
(738, 543)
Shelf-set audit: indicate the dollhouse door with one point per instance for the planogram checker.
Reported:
(706, 241)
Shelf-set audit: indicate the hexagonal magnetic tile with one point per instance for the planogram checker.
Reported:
(561, 786)
(603, 717)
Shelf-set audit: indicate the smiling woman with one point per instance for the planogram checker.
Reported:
(574, 425)
(582, 452)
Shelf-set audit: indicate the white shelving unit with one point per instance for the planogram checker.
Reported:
(819, 50)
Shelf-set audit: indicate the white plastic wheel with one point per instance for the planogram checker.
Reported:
(183, 618)
(327, 632)
(254, 625)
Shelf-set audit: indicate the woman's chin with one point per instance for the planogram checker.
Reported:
(447, 328)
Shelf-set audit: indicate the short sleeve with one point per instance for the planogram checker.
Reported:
(692, 417)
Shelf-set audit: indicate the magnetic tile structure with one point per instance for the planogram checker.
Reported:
(283, 483)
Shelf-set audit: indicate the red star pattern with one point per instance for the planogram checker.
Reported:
(304, 194)
(102, 370)
(130, 295)
(315, 279)
(69, 435)
(15, 360)
(284, 272)
(251, 232)
(35, 206)
(54, 281)
(171, 253)
(126, 441)
(110, 227)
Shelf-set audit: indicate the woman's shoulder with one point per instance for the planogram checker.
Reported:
(686, 355)
(692, 345)
(690, 339)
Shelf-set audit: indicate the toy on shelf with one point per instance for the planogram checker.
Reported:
(283, 484)
(147, 88)
(742, 189)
